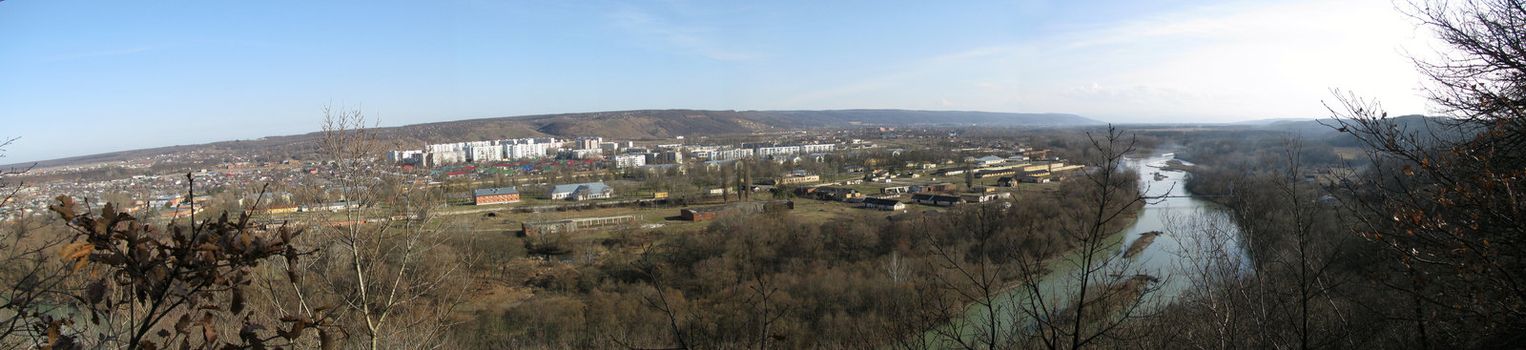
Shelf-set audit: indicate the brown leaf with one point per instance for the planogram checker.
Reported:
(69, 249)
(237, 304)
(64, 208)
(183, 326)
(52, 334)
(296, 329)
(80, 251)
(95, 292)
(326, 340)
(207, 332)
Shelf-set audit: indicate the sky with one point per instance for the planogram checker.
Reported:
(81, 77)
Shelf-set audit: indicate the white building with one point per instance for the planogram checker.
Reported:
(444, 147)
(448, 157)
(581, 153)
(780, 150)
(588, 142)
(582, 191)
(825, 147)
(406, 156)
(729, 154)
(630, 160)
(479, 154)
(522, 151)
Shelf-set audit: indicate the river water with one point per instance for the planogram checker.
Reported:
(1199, 242)
(1199, 236)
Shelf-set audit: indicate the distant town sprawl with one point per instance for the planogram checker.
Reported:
(868, 168)
(619, 154)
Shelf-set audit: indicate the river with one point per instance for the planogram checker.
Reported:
(1199, 240)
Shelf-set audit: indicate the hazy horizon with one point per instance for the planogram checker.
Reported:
(119, 76)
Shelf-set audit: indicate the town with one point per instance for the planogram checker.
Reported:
(646, 183)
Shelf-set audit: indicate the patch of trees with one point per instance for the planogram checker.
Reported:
(860, 281)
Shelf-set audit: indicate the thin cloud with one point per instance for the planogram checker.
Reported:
(690, 39)
(101, 53)
(1210, 62)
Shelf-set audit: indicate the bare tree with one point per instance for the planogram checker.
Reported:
(30, 277)
(8, 191)
(1063, 303)
(1105, 290)
(387, 264)
(1442, 194)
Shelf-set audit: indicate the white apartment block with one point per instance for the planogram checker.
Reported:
(779, 150)
(588, 142)
(444, 147)
(728, 154)
(479, 154)
(521, 151)
(447, 157)
(825, 147)
(581, 153)
(630, 160)
(407, 156)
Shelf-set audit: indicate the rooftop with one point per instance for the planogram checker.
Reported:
(594, 187)
(493, 191)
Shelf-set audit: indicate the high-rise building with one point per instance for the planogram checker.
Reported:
(479, 154)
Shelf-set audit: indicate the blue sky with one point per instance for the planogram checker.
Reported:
(87, 77)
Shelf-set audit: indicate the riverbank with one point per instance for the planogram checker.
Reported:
(1139, 245)
(1148, 256)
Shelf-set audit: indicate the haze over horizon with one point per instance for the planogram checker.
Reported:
(116, 76)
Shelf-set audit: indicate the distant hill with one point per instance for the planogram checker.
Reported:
(1272, 121)
(637, 125)
(1426, 126)
(654, 124)
(839, 118)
